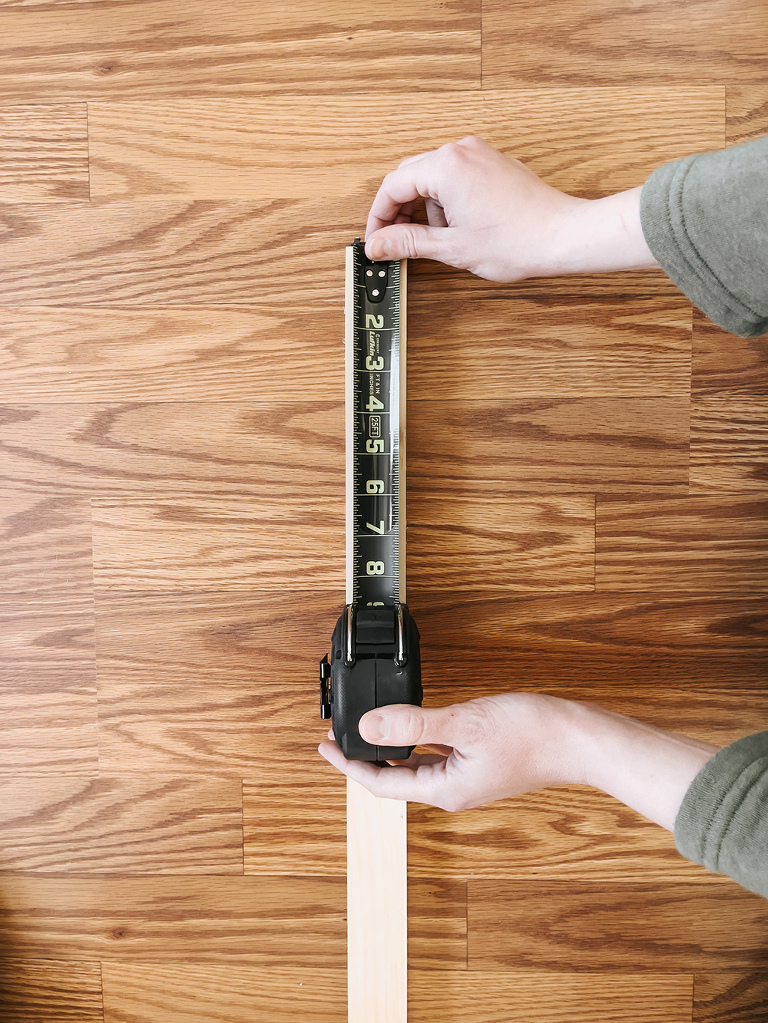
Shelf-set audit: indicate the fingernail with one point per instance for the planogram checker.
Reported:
(375, 727)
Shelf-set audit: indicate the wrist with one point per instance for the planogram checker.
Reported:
(600, 236)
(644, 767)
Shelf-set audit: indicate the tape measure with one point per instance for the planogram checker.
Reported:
(375, 657)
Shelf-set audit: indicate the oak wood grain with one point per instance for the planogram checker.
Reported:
(273, 453)
(480, 996)
(155, 353)
(471, 543)
(212, 543)
(639, 542)
(552, 347)
(133, 825)
(721, 996)
(573, 832)
(215, 993)
(729, 444)
(48, 727)
(263, 148)
(44, 153)
(37, 991)
(288, 922)
(47, 637)
(227, 636)
(556, 345)
(590, 43)
(746, 111)
(646, 928)
(164, 251)
(211, 993)
(45, 545)
(558, 445)
(724, 364)
(165, 48)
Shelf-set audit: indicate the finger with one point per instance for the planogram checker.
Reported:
(413, 178)
(406, 725)
(435, 214)
(411, 241)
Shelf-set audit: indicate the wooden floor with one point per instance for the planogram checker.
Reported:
(587, 506)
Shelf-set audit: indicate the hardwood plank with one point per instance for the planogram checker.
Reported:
(176, 252)
(233, 543)
(46, 637)
(44, 153)
(295, 829)
(599, 43)
(573, 832)
(565, 832)
(718, 997)
(480, 996)
(269, 452)
(437, 924)
(286, 922)
(619, 345)
(612, 928)
(555, 347)
(214, 993)
(663, 545)
(295, 922)
(234, 729)
(163, 48)
(728, 444)
(216, 543)
(596, 639)
(55, 355)
(143, 825)
(48, 729)
(45, 545)
(546, 446)
(219, 636)
(267, 147)
(32, 991)
(724, 364)
(471, 543)
(746, 110)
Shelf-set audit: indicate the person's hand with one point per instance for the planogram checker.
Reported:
(493, 216)
(508, 745)
(480, 751)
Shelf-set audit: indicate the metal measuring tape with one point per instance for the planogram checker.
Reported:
(375, 657)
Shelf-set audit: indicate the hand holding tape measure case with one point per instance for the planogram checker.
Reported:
(375, 658)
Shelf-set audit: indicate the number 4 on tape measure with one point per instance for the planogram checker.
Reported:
(375, 659)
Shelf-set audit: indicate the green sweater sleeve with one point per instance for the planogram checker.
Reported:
(722, 822)
(705, 219)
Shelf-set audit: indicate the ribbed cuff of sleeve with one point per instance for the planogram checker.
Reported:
(722, 822)
(704, 219)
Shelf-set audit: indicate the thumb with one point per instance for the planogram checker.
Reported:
(405, 725)
(407, 241)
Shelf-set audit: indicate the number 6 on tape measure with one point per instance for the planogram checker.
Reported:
(375, 658)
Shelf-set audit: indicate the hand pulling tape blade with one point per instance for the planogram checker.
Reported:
(375, 659)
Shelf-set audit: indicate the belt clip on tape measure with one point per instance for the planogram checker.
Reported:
(375, 658)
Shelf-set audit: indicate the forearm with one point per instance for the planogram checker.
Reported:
(599, 236)
(644, 767)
